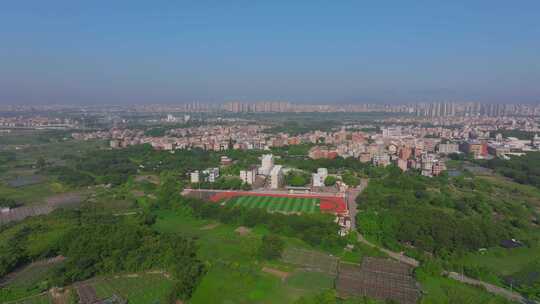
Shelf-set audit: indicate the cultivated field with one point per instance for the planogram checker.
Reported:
(278, 204)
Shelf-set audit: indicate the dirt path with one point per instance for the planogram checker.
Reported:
(87, 294)
(210, 226)
(278, 273)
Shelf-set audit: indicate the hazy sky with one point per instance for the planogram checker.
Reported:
(301, 51)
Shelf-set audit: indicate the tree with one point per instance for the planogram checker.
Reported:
(7, 202)
(271, 247)
(349, 179)
(330, 181)
(296, 178)
(41, 163)
(169, 190)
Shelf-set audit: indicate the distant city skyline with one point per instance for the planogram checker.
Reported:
(303, 52)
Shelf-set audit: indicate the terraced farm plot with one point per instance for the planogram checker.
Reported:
(378, 278)
(278, 204)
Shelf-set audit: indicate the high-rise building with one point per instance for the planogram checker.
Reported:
(248, 176)
(267, 163)
(276, 177)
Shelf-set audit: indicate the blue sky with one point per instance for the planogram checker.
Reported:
(121, 52)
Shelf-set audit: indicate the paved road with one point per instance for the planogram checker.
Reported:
(350, 199)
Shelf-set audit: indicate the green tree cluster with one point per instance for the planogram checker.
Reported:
(438, 215)
(297, 178)
(523, 169)
(271, 247)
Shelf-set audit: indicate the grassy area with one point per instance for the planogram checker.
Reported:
(308, 280)
(31, 147)
(137, 288)
(502, 261)
(30, 276)
(21, 295)
(497, 262)
(235, 274)
(216, 242)
(244, 284)
(439, 290)
(38, 299)
(24, 166)
(43, 232)
(358, 252)
(27, 195)
(278, 204)
(46, 231)
(506, 188)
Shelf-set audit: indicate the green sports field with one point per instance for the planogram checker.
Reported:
(278, 204)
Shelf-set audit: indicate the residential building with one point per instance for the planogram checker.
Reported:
(195, 177)
(248, 176)
(319, 177)
(448, 148)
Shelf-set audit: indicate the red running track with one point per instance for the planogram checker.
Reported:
(330, 204)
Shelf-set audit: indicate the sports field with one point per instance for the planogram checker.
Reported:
(278, 204)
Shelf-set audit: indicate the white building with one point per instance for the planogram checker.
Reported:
(381, 160)
(248, 176)
(170, 118)
(391, 132)
(448, 148)
(195, 177)
(267, 163)
(276, 177)
(319, 177)
(211, 174)
(536, 141)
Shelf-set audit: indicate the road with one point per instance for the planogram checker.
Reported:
(512, 296)
(350, 199)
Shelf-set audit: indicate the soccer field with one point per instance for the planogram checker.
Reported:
(278, 204)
